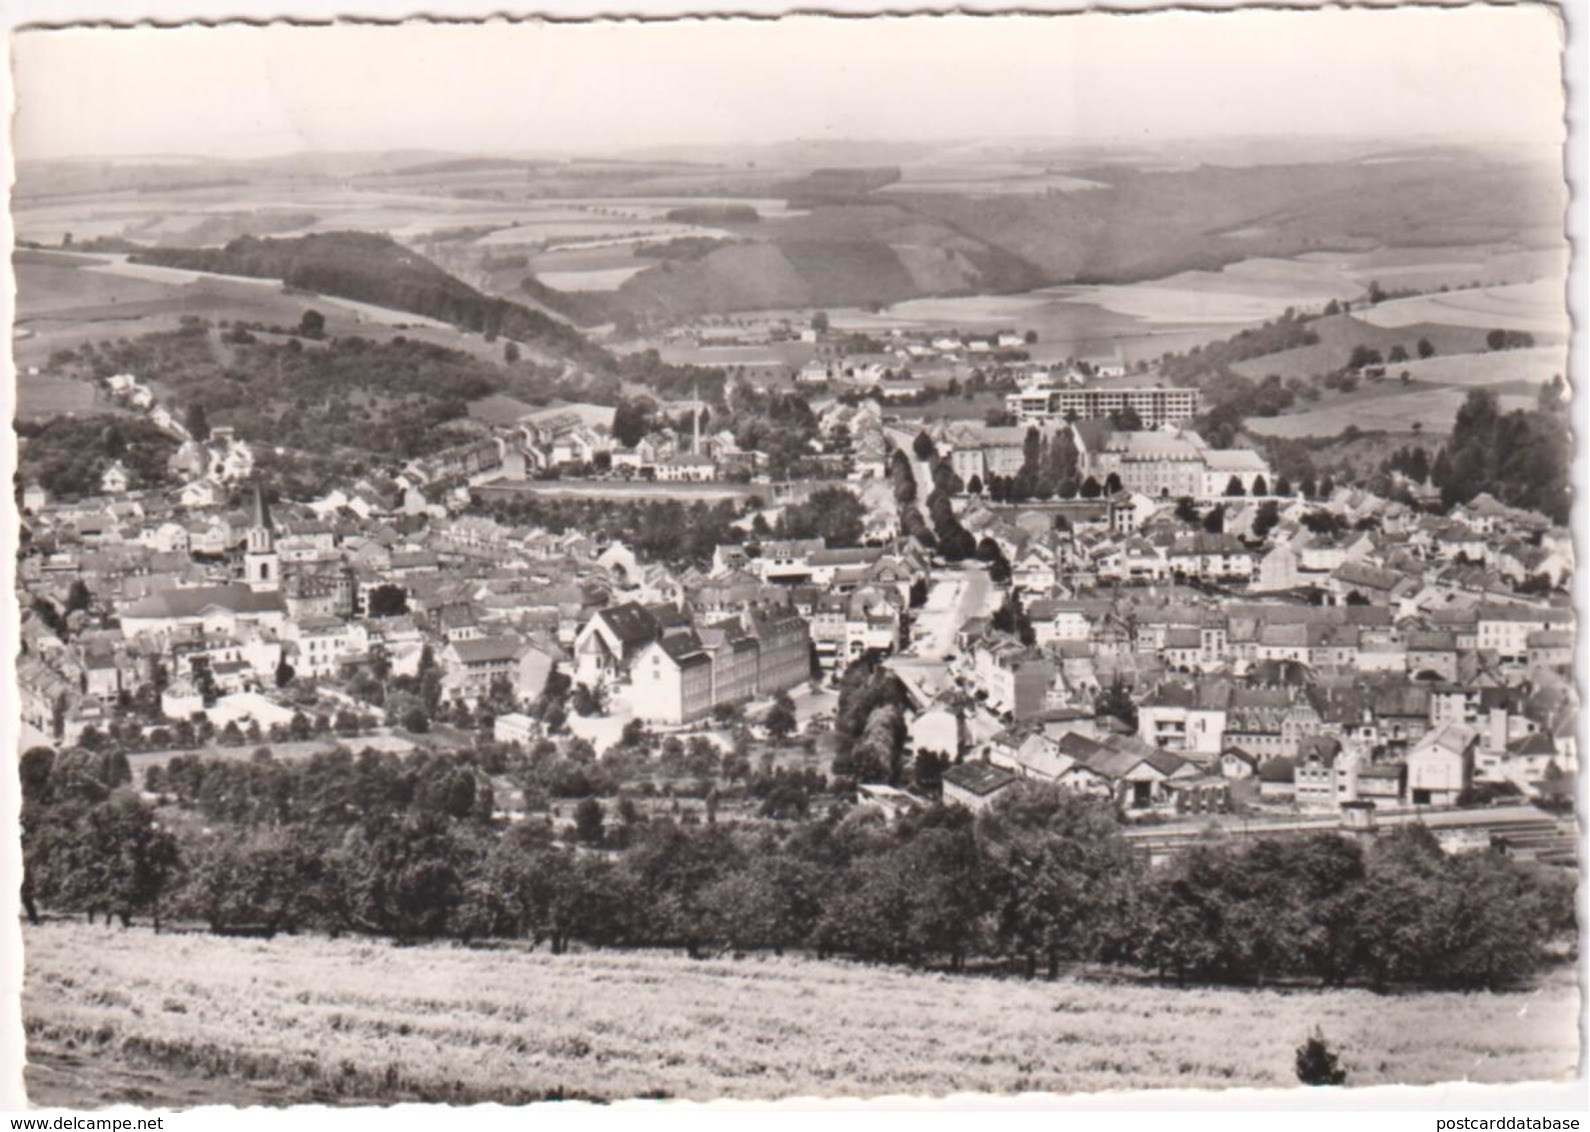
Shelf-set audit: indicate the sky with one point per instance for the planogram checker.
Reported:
(247, 91)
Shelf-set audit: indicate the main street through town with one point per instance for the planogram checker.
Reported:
(957, 595)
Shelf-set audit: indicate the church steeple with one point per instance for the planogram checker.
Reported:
(261, 536)
(261, 568)
(695, 439)
(262, 514)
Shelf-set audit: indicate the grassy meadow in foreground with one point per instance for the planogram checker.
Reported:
(202, 1019)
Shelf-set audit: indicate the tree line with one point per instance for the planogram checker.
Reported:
(406, 849)
(657, 529)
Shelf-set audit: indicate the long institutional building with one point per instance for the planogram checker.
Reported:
(1168, 463)
(1154, 406)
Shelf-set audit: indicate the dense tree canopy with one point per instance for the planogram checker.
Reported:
(665, 530)
(407, 848)
(67, 456)
(832, 513)
(1523, 458)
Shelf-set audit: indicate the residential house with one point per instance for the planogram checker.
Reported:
(605, 649)
(890, 801)
(1314, 777)
(1237, 763)
(1011, 680)
(515, 728)
(1189, 719)
(321, 644)
(115, 479)
(936, 729)
(1507, 628)
(1441, 765)
(471, 667)
(976, 785)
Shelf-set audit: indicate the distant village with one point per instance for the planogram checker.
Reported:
(1185, 634)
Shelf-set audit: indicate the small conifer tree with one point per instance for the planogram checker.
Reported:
(1317, 1063)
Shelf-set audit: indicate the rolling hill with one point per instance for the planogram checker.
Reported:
(370, 268)
(846, 226)
(841, 255)
(854, 246)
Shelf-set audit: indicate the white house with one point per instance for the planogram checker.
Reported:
(937, 729)
(199, 493)
(1441, 765)
(514, 727)
(245, 706)
(180, 700)
(671, 681)
(114, 479)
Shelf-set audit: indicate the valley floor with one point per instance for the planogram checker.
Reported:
(118, 1016)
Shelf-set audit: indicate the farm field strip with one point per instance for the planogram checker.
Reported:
(185, 280)
(1434, 410)
(400, 210)
(593, 279)
(44, 395)
(63, 289)
(1537, 307)
(1452, 264)
(1535, 364)
(483, 1024)
(920, 181)
(155, 273)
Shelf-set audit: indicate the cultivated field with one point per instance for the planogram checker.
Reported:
(1534, 366)
(1339, 334)
(1440, 384)
(1538, 307)
(312, 1018)
(44, 395)
(409, 211)
(603, 279)
(1144, 320)
(1431, 267)
(1251, 290)
(989, 178)
(1383, 409)
(777, 355)
(49, 282)
(1068, 322)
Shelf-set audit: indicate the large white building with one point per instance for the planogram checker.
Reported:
(1507, 628)
(1154, 406)
(1170, 463)
(683, 674)
(987, 450)
(217, 609)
